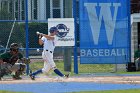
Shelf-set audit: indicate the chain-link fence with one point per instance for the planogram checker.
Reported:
(32, 16)
(21, 19)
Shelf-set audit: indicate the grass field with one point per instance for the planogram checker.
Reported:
(112, 91)
(84, 68)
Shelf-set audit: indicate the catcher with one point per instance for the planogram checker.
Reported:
(12, 62)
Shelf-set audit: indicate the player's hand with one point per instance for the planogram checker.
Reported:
(26, 60)
(40, 36)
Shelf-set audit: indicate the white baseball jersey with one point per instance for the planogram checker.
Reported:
(49, 44)
(47, 53)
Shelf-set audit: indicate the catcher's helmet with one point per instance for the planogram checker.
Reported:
(53, 29)
(14, 46)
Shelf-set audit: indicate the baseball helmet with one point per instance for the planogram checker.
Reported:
(53, 29)
(14, 46)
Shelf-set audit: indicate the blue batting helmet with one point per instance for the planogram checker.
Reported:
(53, 29)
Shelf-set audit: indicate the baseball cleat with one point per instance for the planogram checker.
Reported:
(32, 77)
(16, 77)
(67, 76)
(0, 77)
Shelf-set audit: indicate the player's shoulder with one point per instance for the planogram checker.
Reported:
(55, 38)
(6, 53)
(3, 55)
(43, 38)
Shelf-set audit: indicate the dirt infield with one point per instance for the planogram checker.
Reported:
(96, 79)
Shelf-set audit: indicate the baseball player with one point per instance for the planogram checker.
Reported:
(11, 61)
(48, 42)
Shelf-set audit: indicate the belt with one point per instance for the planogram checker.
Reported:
(49, 51)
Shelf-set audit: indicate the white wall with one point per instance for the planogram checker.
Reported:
(29, 9)
(41, 9)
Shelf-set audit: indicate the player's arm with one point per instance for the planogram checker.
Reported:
(2, 56)
(40, 40)
(49, 37)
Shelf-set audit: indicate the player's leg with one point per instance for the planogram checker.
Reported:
(53, 66)
(46, 68)
(57, 71)
(18, 68)
(32, 75)
(4, 69)
(37, 72)
(2, 73)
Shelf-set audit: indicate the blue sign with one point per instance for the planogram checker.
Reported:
(104, 31)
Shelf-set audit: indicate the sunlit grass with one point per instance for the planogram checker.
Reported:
(112, 91)
(83, 68)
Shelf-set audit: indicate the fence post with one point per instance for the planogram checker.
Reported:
(67, 59)
(27, 36)
(75, 47)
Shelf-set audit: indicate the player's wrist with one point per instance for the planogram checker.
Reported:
(40, 37)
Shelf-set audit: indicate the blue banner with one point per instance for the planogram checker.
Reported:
(104, 31)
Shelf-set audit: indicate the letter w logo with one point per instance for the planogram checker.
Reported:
(105, 14)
